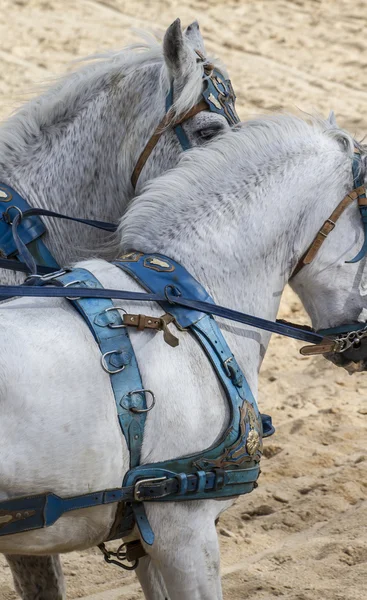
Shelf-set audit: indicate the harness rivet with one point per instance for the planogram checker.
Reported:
(18, 515)
(136, 436)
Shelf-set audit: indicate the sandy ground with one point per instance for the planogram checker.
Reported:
(302, 534)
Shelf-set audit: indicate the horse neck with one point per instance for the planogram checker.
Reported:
(243, 245)
(80, 162)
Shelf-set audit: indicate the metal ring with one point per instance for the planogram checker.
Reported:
(6, 215)
(172, 288)
(47, 276)
(142, 410)
(68, 285)
(114, 308)
(139, 410)
(104, 364)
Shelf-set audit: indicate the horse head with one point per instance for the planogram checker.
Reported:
(75, 148)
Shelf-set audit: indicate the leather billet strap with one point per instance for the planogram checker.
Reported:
(167, 121)
(329, 225)
(43, 510)
(159, 323)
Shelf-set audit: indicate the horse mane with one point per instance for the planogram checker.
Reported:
(196, 184)
(69, 93)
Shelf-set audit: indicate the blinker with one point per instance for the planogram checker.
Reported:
(220, 97)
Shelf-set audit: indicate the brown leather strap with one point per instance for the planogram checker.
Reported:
(134, 550)
(159, 323)
(324, 348)
(142, 322)
(328, 226)
(167, 121)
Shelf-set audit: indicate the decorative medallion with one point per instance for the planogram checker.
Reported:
(5, 196)
(131, 257)
(5, 519)
(214, 101)
(157, 264)
(246, 448)
(253, 442)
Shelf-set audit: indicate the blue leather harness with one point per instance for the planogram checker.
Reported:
(229, 468)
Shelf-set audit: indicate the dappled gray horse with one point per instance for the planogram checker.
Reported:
(74, 149)
(240, 226)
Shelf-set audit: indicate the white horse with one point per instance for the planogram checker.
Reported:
(238, 215)
(74, 149)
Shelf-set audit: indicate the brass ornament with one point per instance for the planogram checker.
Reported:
(131, 257)
(159, 263)
(5, 519)
(253, 442)
(214, 101)
(245, 449)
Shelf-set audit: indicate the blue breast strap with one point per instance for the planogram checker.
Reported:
(235, 457)
(230, 467)
(118, 357)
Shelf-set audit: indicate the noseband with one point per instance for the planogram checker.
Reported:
(218, 96)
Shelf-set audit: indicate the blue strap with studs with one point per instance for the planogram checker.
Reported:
(230, 467)
(118, 357)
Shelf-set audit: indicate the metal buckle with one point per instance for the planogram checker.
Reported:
(332, 227)
(140, 482)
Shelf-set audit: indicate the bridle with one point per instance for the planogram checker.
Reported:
(218, 96)
(348, 335)
(358, 193)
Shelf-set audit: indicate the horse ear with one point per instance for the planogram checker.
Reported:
(332, 119)
(176, 52)
(194, 37)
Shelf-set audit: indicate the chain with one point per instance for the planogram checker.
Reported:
(348, 340)
(121, 556)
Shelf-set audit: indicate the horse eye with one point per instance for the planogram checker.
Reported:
(208, 133)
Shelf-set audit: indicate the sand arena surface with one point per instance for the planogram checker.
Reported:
(302, 534)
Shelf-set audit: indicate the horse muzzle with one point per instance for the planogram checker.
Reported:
(353, 360)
